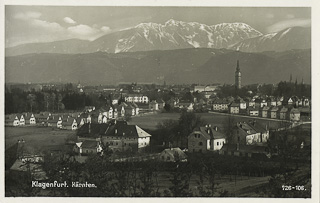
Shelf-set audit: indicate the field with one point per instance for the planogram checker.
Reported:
(150, 121)
(36, 137)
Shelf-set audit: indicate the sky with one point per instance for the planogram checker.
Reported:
(30, 24)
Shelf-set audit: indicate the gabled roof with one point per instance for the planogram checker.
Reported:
(275, 108)
(173, 152)
(209, 132)
(265, 108)
(234, 104)
(89, 144)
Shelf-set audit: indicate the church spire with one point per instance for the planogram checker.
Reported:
(238, 76)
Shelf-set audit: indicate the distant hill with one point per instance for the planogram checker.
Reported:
(290, 38)
(200, 65)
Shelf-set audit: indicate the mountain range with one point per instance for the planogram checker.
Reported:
(177, 35)
(201, 65)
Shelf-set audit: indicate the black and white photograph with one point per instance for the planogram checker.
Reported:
(200, 101)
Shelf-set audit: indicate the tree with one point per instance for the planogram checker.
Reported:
(228, 126)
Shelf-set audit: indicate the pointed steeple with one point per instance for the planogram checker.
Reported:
(238, 67)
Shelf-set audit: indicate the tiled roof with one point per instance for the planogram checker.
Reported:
(89, 144)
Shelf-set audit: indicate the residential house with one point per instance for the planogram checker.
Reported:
(252, 103)
(305, 102)
(186, 105)
(274, 112)
(220, 105)
(245, 133)
(283, 113)
(173, 155)
(234, 108)
(22, 121)
(137, 98)
(70, 123)
(88, 147)
(154, 106)
(251, 111)
(205, 139)
(30, 119)
(161, 104)
(294, 114)
(271, 101)
(136, 108)
(265, 111)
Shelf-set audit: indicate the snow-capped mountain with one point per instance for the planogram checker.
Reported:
(290, 38)
(177, 35)
(151, 36)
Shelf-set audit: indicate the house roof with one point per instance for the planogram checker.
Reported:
(89, 144)
(120, 128)
(220, 101)
(265, 108)
(209, 132)
(275, 108)
(234, 104)
(247, 128)
(174, 152)
(294, 110)
(283, 110)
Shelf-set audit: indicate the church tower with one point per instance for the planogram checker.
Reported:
(238, 77)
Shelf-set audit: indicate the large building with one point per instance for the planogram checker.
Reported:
(238, 76)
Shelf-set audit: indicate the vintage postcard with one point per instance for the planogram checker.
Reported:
(161, 100)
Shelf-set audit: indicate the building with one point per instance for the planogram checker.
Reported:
(88, 147)
(205, 139)
(274, 112)
(283, 113)
(173, 155)
(220, 105)
(137, 98)
(250, 133)
(294, 114)
(251, 111)
(265, 111)
(244, 150)
(154, 106)
(234, 108)
(238, 77)
(117, 136)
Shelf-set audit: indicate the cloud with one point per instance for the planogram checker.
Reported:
(69, 20)
(27, 15)
(298, 22)
(105, 29)
(86, 32)
(40, 30)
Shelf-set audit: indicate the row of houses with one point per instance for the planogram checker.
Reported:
(158, 105)
(75, 120)
(208, 138)
(223, 104)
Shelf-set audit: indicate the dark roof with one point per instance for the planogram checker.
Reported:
(209, 132)
(95, 130)
(234, 104)
(89, 144)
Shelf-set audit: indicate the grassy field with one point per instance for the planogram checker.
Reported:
(36, 137)
(151, 121)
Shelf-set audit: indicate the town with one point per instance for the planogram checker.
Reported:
(161, 132)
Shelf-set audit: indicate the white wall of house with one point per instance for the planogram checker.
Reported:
(143, 142)
(218, 143)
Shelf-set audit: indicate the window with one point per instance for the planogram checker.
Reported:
(168, 158)
(195, 136)
(200, 143)
(116, 143)
(217, 143)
